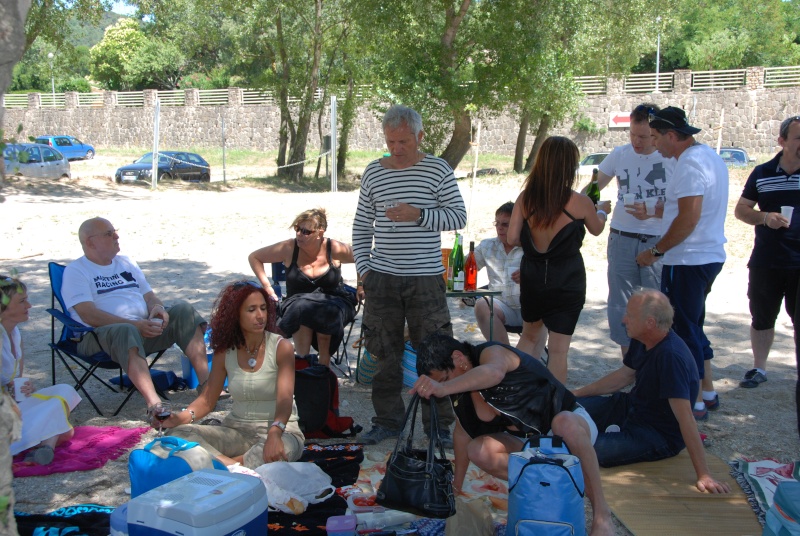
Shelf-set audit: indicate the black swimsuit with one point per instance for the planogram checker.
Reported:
(553, 283)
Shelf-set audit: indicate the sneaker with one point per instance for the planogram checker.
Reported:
(378, 434)
(712, 405)
(752, 378)
(700, 414)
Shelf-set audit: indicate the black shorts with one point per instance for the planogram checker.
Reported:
(767, 288)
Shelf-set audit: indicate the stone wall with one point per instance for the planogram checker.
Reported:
(750, 116)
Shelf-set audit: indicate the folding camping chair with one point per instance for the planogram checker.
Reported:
(66, 346)
(279, 276)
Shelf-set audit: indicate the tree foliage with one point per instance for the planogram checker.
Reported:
(110, 57)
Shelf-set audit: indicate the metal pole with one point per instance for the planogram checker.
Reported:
(333, 145)
(658, 53)
(156, 126)
(52, 78)
(224, 177)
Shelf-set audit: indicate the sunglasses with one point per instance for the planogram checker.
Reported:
(648, 109)
(303, 231)
(653, 117)
(240, 284)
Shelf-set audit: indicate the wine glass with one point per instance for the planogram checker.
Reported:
(391, 203)
(161, 411)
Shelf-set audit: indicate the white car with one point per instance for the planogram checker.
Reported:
(588, 164)
(35, 160)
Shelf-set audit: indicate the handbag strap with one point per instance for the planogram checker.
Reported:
(171, 443)
(411, 416)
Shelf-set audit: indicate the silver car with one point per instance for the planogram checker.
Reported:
(35, 160)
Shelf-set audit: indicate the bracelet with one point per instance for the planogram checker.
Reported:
(360, 284)
(603, 212)
(191, 414)
(279, 425)
(765, 219)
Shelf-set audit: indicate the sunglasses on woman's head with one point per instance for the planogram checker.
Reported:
(240, 284)
(303, 231)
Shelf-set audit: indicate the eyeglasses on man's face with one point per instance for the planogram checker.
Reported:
(303, 230)
(108, 234)
(500, 224)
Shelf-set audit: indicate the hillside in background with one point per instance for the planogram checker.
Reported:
(89, 35)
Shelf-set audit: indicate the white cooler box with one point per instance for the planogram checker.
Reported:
(208, 502)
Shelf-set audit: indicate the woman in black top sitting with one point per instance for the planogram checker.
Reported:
(317, 306)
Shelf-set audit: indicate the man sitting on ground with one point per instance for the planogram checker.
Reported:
(654, 421)
(110, 293)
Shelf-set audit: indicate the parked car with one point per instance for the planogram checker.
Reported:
(69, 146)
(171, 165)
(590, 162)
(736, 157)
(35, 160)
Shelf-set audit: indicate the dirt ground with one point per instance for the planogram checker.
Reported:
(191, 240)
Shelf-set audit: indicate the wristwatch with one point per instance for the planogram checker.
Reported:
(655, 252)
(191, 414)
(280, 425)
(421, 216)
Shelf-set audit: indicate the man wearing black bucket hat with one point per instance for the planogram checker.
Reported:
(693, 237)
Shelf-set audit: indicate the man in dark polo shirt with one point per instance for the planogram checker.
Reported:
(775, 262)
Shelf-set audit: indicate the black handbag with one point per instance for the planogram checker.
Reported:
(417, 481)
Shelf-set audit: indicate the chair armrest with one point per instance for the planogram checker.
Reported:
(68, 321)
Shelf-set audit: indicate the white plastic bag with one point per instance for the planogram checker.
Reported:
(294, 485)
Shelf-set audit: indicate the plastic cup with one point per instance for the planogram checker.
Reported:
(650, 205)
(628, 199)
(18, 383)
(511, 270)
(157, 320)
(786, 212)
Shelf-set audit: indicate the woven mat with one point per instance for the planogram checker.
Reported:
(660, 498)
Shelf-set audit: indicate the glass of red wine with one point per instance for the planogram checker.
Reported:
(160, 412)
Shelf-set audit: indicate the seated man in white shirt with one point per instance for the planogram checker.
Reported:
(502, 262)
(110, 293)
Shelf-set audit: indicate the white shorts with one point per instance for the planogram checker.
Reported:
(513, 317)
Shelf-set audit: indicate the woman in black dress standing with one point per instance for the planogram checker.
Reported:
(549, 221)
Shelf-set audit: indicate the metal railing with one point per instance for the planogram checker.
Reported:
(213, 97)
(90, 99)
(711, 80)
(15, 100)
(256, 96)
(130, 98)
(781, 76)
(592, 85)
(647, 83)
(51, 100)
(176, 97)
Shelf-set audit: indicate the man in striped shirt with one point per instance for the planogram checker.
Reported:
(406, 200)
(775, 262)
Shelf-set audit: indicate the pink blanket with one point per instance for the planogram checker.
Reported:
(90, 448)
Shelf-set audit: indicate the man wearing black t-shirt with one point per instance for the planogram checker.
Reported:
(654, 421)
(775, 262)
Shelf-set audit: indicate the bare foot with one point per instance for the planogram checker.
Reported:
(602, 525)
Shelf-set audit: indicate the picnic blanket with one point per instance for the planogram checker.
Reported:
(759, 478)
(341, 462)
(90, 448)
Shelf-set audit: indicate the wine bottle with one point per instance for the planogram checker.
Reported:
(594, 189)
(451, 262)
(458, 267)
(471, 270)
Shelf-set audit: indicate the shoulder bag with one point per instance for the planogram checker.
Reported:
(416, 480)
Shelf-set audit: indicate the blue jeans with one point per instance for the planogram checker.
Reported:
(635, 442)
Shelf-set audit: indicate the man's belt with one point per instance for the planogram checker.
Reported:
(637, 236)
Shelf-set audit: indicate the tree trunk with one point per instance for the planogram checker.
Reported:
(286, 133)
(12, 45)
(460, 140)
(541, 135)
(347, 115)
(298, 153)
(522, 135)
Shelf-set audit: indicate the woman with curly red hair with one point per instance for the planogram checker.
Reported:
(262, 426)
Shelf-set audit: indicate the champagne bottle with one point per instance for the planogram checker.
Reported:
(458, 267)
(451, 262)
(594, 190)
(471, 270)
